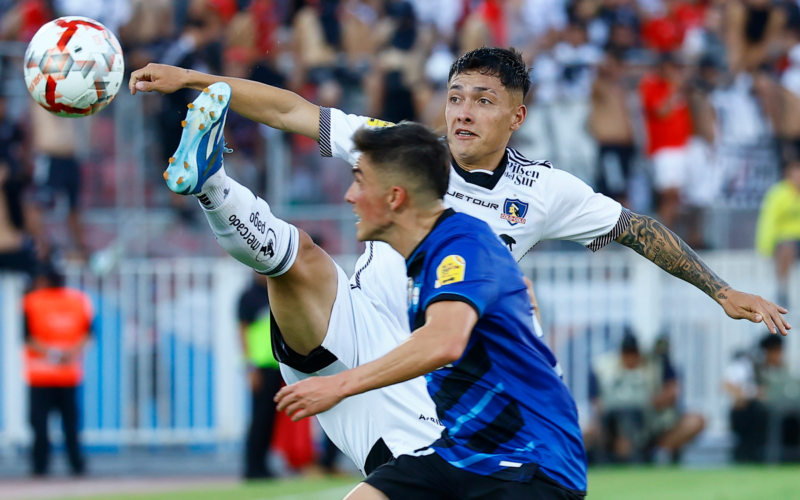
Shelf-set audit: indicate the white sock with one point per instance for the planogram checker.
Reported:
(245, 227)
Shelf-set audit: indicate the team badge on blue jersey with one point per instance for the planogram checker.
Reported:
(514, 211)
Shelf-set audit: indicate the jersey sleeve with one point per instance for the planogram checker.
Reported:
(461, 270)
(336, 129)
(576, 213)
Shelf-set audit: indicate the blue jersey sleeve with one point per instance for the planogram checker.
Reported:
(461, 270)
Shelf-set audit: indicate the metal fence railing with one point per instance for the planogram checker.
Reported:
(165, 365)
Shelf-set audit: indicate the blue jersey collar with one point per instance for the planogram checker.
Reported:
(416, 258)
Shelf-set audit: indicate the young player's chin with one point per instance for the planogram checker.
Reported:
(363, 233)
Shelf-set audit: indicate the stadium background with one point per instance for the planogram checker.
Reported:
(165, 393)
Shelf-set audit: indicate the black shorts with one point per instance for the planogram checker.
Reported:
(614, 169)
(63, 176)
(430, 477)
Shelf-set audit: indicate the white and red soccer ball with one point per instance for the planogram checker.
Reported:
(74, 66)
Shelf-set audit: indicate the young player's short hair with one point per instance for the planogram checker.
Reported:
(505, 64)
(409, 151)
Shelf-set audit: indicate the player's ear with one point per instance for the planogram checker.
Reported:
(396, 196)
(519, 117)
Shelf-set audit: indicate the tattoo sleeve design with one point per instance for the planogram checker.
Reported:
(655, 242)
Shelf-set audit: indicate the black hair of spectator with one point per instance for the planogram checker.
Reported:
(410, 150)
(670, 58)
(51, 274)
(771, 341)
(629, 343)
(505, 64)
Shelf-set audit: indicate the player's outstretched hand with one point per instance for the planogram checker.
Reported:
(740, 305)
(157, 77)
(309, 397)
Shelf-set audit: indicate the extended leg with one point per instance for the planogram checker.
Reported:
(302, 278)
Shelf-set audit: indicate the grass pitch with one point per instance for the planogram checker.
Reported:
(735, 483)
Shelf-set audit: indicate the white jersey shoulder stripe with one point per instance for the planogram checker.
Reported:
(517, 158)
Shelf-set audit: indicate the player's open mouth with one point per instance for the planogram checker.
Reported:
(465, 133)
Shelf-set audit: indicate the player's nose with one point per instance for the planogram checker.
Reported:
(349, 196)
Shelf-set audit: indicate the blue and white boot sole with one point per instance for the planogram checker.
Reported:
(199, 154)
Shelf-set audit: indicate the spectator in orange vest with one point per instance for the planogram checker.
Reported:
(57, 326)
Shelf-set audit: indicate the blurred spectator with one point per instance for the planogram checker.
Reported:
(781, 392)
(669, 128)
(398, 68)
(753, 29)
(665, 31)
(671, 429)
(611, 126)
(23, 20)
(57, 176)
(263, 374)
(748, 416)
(778, 229)
(17, 253)
(635, 401)
(58, 322)
(145, 36)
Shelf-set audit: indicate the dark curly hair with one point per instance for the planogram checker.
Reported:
(505, 64)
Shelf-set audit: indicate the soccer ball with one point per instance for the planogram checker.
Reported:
(73, 66)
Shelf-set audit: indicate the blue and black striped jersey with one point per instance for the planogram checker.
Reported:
(505, 410)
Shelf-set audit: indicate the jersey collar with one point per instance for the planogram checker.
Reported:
(415, 260)
(482, 179)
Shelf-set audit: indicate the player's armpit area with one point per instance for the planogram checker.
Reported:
(657, 243)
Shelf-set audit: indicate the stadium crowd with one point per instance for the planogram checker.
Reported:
(676, 107)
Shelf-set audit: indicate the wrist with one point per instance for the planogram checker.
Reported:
(194, 80)
(345, 385)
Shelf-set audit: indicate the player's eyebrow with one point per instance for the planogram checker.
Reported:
(485, 89)
(456, 86)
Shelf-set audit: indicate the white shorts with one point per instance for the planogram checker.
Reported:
(671, 168)
(367, 321)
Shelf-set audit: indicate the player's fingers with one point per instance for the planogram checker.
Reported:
(780, 322)
(293, 408)
(300, 415)
(145, 86)
(285, 400)
(136, 76)
(769, 323)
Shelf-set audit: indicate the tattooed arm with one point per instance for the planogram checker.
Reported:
(655, 242)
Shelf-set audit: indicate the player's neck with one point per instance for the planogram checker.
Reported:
(489, 162)
(411, 227)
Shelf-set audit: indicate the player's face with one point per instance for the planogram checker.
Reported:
(369, 198)
(481, 115)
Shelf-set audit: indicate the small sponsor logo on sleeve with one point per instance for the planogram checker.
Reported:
(374, 122)
(450, 271)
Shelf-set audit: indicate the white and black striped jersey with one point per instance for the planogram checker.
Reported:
(523, 201)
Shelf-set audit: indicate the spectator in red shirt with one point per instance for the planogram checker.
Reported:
(665, 33)
(669, 127)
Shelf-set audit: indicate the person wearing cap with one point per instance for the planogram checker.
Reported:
(634, 398)
(58, 323)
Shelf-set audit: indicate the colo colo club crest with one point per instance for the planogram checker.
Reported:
(514, 211)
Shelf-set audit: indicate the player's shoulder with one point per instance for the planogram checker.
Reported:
(463, 231)
(519, 159)
(524, 173)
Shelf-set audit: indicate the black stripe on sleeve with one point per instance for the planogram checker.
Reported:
(325, 148)
(623, 224)
(453, 297)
